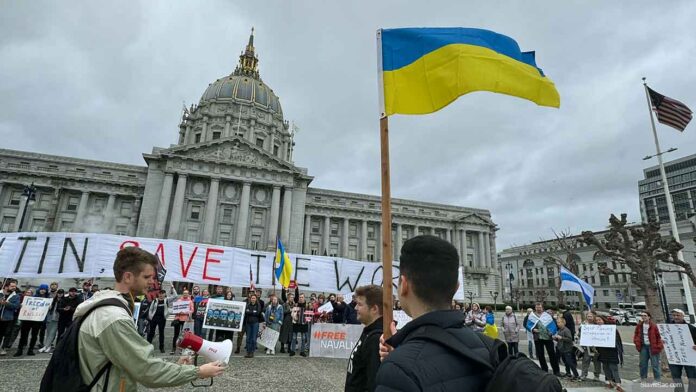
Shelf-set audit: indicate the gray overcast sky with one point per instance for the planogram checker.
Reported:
(98, 81)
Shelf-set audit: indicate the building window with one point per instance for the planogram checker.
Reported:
(225, 237)
(334, 228)
(259, 142)
(192, 235)
(353, 252)
(37, 224)
(370, 232)
(7, 224)
(126, 208)
(216, 135)
(315, 227)
(121, 230)
(314, 248)
(197, 138)
(275, 150)
(99, 204)
(195, 212)
(45, 200)
(353, 230)
(469, 241)
(605, 293)
(333, 251)
(370, 253)
(255, 240)
(258, 218)
(470, 260)
(227, 215)
(66, 226)
(73, 201)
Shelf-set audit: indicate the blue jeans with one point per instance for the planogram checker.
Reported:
(305, 341)
(198, 327)
(654, 361)
(530, 346)
(252, 329)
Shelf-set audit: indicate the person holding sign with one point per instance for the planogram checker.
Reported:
(676, 370)
(31, 325)
(649, 344)
(182, 309)
(274, 318)
(611, 357)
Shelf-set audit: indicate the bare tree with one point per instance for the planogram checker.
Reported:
(642, 249)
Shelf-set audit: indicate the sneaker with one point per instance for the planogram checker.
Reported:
(48, 350)
(248, 355)
(162, 350)
(304, 354)
(172, 352)
(272, 352)
(18, 353)
(31, 353)
(292, 353)
(3, 352)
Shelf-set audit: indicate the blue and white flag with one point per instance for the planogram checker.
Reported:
(545, 319)
(570, 282)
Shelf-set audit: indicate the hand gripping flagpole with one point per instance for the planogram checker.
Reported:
(670, 211)
(387, 315)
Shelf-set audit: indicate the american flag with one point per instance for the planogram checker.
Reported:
(251, 279)
(670, 111)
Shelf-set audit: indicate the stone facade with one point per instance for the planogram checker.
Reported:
(230, 180)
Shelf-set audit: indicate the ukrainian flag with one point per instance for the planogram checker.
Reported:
(283, 272)
(425, 69)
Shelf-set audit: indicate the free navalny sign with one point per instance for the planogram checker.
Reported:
(86, 255)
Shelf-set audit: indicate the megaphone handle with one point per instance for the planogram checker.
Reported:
(195, 363)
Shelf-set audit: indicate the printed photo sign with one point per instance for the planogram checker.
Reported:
(225, 315)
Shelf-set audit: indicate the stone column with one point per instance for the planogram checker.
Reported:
(109, 213)
(416, 230)
(399, 239)
(243, 217)
(275, 211)
(449, 235)
(307, 246)
(163, 208)
(210, 211)
(487, 248)
(285, 154)
(204, 130)
(457, 242)
(344, 237)
(18, 219)
(137, 204)
(327, 235)
(363, 241)
(285, 221)
(81, 212)
(178, 208)
(378, 237)
(52, 223)
(1, 198)
(482, 251)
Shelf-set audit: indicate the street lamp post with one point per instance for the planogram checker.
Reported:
(29, 195)
(494, 294)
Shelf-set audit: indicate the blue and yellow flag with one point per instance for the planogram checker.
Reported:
(283, 271)
(425, 69)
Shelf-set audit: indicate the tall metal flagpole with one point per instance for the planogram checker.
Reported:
(670, 209)
(387, 315)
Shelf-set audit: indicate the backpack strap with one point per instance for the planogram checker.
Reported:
(106, 368)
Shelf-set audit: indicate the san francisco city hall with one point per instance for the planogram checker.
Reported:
(230, 180)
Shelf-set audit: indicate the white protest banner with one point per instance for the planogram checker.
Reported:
(225, 315)
(180, 307)
(34, 308)
(326, 308)
(333, 340)
(87, 255)
(598, 335)
(267, 337)
(401, 318)
(678, 344)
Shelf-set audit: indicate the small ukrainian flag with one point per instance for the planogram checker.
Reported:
(283, 271)
(423, 70)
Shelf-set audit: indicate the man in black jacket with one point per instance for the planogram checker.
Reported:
(66, 309)
(434, 351)
(364, 360)
(568, 317)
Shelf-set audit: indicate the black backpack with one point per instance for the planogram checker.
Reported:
(506, 367)
(63, 371)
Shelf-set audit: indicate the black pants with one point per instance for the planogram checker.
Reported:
(158, 323)
(62, 326)
(5, 331)
(177, 331)
(27, 326)
(571, 363)
(513, 348)
(548, 344)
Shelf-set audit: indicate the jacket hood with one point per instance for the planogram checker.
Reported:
(42, 287)
(96, 298)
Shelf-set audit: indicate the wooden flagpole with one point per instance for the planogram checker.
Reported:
(387, 306)
(386, 228)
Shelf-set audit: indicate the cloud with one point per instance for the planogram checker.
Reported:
(103, 81)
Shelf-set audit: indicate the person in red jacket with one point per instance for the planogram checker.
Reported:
(649, 344)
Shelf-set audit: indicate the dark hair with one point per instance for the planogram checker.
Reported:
(133, 260)
(9, 282)
(162, 292)
(431, 265)
(72, 289)
(648, 313)
(372, 294)
(488, 308)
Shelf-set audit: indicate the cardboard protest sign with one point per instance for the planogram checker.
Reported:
(225, 315)
(267, 337)
(180, 307)
(598, 335)
(326, 308)
(678, 344)
(401, 318)
(333, 340)
(34, 308)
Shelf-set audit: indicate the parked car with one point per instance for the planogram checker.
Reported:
(619, 315)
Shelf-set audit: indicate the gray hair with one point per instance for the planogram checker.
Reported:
(508, 307)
